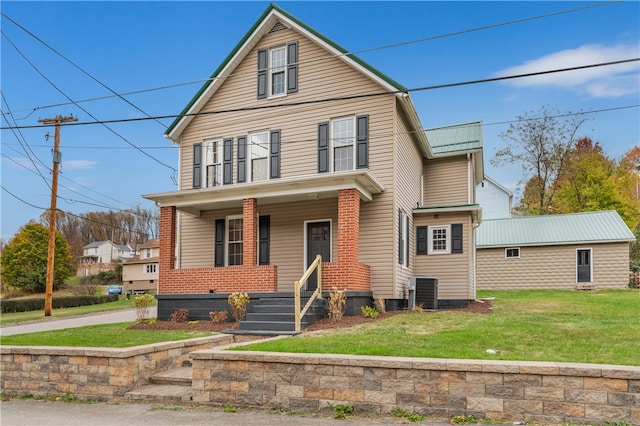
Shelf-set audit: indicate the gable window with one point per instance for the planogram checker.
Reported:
(212, 163)
(234, 241)
(148, 253)
(512, 253)
(150, 269)
(278, 70)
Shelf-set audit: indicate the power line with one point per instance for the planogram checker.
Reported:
(83, 109)
(79, 68)
(324, 57)
(351, 97)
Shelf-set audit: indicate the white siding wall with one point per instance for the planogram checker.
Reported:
(493, 200)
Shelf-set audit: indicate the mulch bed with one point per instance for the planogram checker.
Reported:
(479, 307)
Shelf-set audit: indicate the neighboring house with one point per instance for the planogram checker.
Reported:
(495, 200)
(294, 148)
(140, 273)
(569, 251)
(101, 255)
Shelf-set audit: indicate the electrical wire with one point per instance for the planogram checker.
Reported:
(341, 98)
(83, 109)
(324, 57)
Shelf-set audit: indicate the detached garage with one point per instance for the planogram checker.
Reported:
(582, 250)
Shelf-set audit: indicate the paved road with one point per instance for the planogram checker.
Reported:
(32, 413)
(72, 322)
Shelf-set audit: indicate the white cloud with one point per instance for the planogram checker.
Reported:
(600, 82)
(78, 164)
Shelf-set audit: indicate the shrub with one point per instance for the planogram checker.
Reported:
(218, 316)
(83, 289)
(142, 303)
(238, 303)
(379, 305)
(37, 303)
(369, 312)
(337, 302)
(181, 315)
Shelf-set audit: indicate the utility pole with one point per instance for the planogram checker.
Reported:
(57, 157)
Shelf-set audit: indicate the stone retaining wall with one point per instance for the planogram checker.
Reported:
(546, 393)
(92, 373)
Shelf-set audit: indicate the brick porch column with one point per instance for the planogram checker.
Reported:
(249, 232)
(348, 227)
(167, 240)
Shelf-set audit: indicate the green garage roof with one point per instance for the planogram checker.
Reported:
(577, 228)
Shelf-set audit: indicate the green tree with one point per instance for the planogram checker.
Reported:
(539, 141)
(24, 259)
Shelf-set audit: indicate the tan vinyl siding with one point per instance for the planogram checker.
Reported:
(446, 181)
(552, 267)
(407, 195)
(451, 270)
(197, 236)
(320, 77)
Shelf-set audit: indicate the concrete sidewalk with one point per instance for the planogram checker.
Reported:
(73, 322)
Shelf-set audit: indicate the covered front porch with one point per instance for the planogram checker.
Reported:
(258, 268)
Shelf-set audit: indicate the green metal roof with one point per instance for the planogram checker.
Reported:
(273, 7)
(589, 227)
(455, 139)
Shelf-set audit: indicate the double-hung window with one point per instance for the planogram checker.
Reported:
(212, 163)
(403, 238)
(234, 240)
(439, 239)
(277, 70)
(148, 253)
(259, 155)
(343, 143)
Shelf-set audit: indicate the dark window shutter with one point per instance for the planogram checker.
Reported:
(400, 239)
(292, 67)
(263, 240)
(242, 158)
(456, 238)
(422, 238)
(262, 73)
(227, 162)
(323, 147)
(197, 165)
(362, 142)
(274, 154)
(219, 247)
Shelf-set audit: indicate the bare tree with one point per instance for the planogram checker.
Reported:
(539, 141)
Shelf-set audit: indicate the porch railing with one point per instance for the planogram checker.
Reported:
(307, 297)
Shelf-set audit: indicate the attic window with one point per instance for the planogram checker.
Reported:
(277, 27)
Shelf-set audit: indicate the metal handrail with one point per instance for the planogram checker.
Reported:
(316, 265)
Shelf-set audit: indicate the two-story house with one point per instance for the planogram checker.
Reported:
(294, 148)
(140, 273)
(102, 255)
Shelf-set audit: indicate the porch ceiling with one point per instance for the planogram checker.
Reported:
(310, 187)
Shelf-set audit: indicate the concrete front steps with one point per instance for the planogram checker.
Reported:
(168, 386)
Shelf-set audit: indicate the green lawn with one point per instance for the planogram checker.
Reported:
(104, 336)
(600, 327)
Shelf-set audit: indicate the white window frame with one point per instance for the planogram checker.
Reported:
(506, 253)
(431, 230)
(336, 141)
(228, 242)
(403, 237)
(277, 69)
(211, 149)
(150, 268)
(255, 149)
(148, 253)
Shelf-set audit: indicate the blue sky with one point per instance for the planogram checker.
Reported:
(135, 46)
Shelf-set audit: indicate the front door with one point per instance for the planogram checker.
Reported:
(584, 266)
(318, 242)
